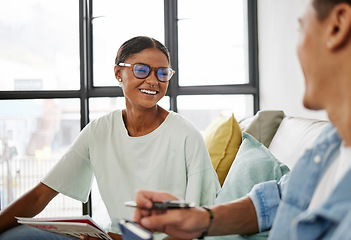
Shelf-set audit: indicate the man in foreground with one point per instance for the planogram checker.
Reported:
(314, 201)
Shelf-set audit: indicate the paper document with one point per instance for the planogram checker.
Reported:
(69, 226)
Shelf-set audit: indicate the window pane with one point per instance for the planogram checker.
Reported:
(39, 45)
(121, 20)
(212, 42)
(202, 110)
(104, 105)
(34, 134)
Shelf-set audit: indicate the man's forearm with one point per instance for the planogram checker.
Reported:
(237, 217)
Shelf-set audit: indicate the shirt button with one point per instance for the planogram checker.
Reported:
(317, 159)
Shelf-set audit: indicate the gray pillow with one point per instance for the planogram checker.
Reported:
(263, 125)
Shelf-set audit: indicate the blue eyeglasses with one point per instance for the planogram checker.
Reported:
(141, 71)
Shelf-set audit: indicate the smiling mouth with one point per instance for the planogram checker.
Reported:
(151, 92)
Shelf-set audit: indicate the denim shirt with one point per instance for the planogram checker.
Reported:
(283, 206)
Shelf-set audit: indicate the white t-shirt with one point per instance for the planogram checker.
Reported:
(172, 158)
(337, 169)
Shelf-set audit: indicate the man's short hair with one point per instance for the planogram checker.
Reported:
(323, 7)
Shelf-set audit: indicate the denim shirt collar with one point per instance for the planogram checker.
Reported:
(298, 192)
(313, 163)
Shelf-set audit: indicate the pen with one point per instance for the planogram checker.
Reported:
(173, 204)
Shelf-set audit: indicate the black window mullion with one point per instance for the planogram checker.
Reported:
(218, 89)
(171, 41)
(85, 76)
(83, 45)
(106, 92)
(253, 51)
(6, 95)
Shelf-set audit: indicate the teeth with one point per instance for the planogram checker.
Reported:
(148, 91)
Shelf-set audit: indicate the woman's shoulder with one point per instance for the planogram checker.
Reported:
(176, 117)
(181, 122)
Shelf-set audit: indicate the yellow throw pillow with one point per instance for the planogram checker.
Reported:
(223, 138)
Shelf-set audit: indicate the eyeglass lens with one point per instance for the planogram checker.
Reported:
(142, 71)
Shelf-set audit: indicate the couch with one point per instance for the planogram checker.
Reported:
(286, 137)
(270, 145)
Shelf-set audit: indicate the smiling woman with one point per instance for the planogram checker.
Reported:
(142, 146)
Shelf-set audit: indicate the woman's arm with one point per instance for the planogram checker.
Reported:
(28, 205)
(202, 181)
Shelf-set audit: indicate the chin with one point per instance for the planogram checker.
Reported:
(310, 104)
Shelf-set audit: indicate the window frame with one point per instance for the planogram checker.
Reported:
(171, 41)
(87, 89)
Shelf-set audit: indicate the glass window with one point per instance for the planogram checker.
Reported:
(117, 21)
(202, 110)
(34, 134)
(39, 45)
(212, 38)
(39, 50)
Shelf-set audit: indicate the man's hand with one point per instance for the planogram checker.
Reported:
(144, 200)
(180, 223)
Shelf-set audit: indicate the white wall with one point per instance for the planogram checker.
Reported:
(281, 77)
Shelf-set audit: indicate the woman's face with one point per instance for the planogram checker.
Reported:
(143, 93)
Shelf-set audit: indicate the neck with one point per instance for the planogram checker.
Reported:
(140, 122)
(338, 96)
(340, 116)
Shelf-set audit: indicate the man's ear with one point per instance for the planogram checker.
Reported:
(339, 26)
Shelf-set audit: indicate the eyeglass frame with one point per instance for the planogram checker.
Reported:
(155, 69)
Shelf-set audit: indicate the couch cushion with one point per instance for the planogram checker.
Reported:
(222, 138)
(263, 125)
(253, 164)
(293, 137)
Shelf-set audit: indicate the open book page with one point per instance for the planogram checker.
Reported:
(69, 226)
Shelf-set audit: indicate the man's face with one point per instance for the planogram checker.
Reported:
(310, 53)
